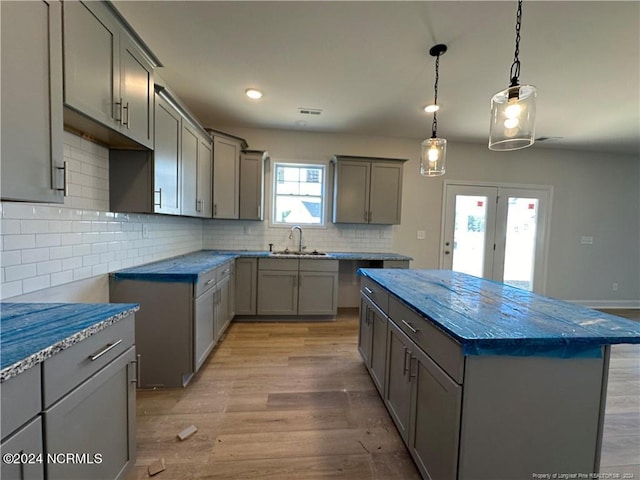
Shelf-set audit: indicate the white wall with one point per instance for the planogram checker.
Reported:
(594, 194)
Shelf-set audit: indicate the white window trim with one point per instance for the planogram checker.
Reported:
(269, 198)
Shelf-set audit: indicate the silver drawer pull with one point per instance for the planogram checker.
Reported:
(109, 346)
(210, 281)
(137, 362)
(410, 327)
(368, 290)
(227, 270)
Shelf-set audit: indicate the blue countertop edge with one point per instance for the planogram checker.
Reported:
(187, 267)
(533, 328)
(19, 316)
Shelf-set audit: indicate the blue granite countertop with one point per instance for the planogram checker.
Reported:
(491, 318)
(33, 332)
(186, 268)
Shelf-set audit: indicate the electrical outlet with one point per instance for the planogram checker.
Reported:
(586, 240)
(145, 230)
(421, 234)
(614, 286)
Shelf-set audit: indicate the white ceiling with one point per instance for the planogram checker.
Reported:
(366, 65)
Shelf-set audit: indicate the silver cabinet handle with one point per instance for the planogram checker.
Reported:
(108, 347)
(226, 270)
(198, 205)
(410, 327)
(259, 211)
(368, 290)
(119, 110)
(411, 374)
(159, 192)
(210, 281)
(126, 108)
(65, 179)
(137, 362)
(404, 366)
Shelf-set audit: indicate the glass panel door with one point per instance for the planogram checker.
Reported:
(497, 232)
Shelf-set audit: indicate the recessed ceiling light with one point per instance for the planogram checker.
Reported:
(431, 108)
(253, 93)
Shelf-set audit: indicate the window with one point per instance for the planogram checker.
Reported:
(298, 194)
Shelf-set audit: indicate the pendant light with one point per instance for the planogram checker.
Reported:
(513, 110)
(434, 149)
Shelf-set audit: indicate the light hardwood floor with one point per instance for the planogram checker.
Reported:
(292, 401)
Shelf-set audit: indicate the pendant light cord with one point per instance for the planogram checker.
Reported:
(515, 66)
(434, 126)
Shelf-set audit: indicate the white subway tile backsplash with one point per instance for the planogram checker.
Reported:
(20, 272)
(51, 266)
(48, 240)
(33, 255)
(18, 242)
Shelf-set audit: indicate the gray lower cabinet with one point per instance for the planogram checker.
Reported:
(246, 285)
(178, 324)
(31, 157)
(397, 394)
(297, 287)
(104, 409)
(372, 341)
(27, 441)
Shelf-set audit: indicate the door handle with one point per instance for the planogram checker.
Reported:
(410, 326)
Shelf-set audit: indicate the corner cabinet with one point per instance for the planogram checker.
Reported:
(31, 158)
(252, 184)
(367, 190)
(108, 76)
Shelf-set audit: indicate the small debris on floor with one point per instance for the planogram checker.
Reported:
(156, 467)
(187, 432)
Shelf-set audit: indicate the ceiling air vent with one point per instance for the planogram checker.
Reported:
(309, 111)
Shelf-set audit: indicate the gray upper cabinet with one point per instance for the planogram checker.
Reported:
(166, 158)
(252, 184)
(31, 134)
(189, 169)
(108, 77)
(367, 190)
(205, 170)
(226, 177)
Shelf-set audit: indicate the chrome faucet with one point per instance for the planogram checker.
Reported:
(297, 227)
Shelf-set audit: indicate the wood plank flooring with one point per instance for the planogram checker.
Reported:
(294, 401)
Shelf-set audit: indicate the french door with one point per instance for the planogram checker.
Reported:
(497, 232)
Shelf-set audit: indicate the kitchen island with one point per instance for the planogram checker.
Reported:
(486, 381)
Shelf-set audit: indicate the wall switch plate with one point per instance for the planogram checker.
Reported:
(584, 240)
(422, 235)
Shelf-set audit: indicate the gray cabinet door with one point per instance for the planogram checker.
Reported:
(435, 418)
(351, 195)
(318, 293)
(189, 169)
(204, 322)
(277, 292)
(222, 307)
(204, 203)
(27, 440)
(246, 286)
(91, 72)
(386, 193)
(166, 158)
(378, 348)
(136, 90)
(226, 178)
(364, 332)
(251, 186)
(31, 156)
(397, 394)
(98, 417)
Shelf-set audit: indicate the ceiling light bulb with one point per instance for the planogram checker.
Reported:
(433, 154)
(431, 108)
(253, 93)
(511, 122)
(513, 111)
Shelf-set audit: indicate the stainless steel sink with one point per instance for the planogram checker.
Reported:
(282, 253)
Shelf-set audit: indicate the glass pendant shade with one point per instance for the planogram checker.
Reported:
(432, 160)
(513, 115)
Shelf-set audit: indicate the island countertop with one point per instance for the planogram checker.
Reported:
(33, 332)
(488, 317)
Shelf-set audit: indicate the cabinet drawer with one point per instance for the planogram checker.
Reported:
(67, 369)
(206, 281)
(225, 270)
(318, 265)
(443, 349)
(375, 292)
(21, 400)
(278, 264)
